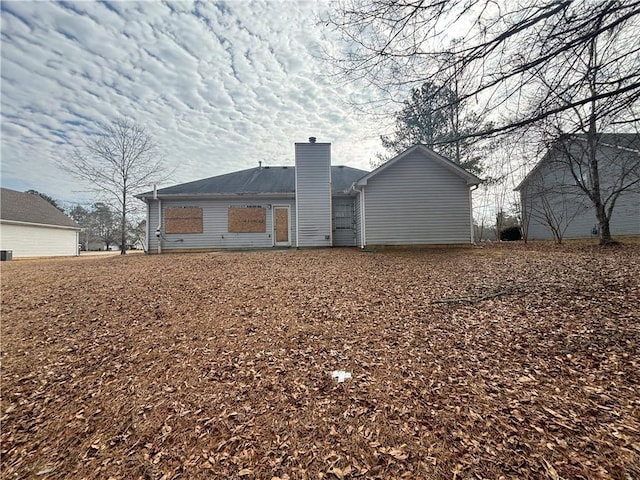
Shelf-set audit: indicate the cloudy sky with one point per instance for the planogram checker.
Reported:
(219, 86)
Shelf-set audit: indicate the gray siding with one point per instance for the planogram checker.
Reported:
(575, 216)
(215, 216)
(417, 201)
(313, 194)
(344, 235)
(550, 196)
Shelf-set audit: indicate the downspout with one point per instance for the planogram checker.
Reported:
(363, 236)
(330, 210)
(473, 242)
(364, 223)
(158, 231)
(297, 213)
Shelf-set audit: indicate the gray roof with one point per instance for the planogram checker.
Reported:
(259, 180)
(30, 208)
(620, 140)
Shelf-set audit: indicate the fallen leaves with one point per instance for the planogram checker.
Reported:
(397, 453)
(219, 366)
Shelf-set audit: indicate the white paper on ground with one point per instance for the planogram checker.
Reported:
(340, 375)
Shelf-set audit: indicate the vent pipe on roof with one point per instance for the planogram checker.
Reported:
(312, 139)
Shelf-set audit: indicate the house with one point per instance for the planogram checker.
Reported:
(32, 227)
(416, 198)
(553, 205)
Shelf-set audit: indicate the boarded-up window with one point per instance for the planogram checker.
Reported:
(183, 220)
(247, 220)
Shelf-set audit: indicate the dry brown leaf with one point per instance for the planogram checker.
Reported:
(340, 473)
(553, 474)
(218, 365)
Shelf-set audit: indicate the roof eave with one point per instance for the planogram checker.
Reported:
(175, 196)
(468, 176)
(35, 224)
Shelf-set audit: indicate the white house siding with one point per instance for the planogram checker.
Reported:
(343, 236)
(313, 194)
(38, 241)
(417, 201)
(215, 217)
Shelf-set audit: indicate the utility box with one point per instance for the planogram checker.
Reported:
(6, 255)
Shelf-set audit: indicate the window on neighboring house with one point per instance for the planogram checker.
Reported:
(342, 216)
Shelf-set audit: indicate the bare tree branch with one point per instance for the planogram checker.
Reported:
(117, 163)
(395, 45)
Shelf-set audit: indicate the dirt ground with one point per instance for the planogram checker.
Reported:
(509, 361)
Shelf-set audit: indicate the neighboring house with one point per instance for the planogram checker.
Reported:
(554, 205)
(416, 198)
(32, 227)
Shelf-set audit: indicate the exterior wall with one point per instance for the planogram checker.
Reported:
(343, 235)
(38, 241)
(151, 227)
(417, 201)
(215, 217)
(313, 194)
(576, 219)
(550, 196)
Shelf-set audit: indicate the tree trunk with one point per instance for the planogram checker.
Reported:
(603, 226)
(594, 172)
(592, 145)
(123, 223)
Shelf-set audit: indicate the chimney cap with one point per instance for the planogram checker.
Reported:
(312, 139)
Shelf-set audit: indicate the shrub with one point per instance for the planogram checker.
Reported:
(510, 234)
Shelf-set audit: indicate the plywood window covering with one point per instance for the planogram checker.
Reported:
(183, 220)
(250, 219)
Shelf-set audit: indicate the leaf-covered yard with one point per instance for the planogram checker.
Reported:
(510, 361)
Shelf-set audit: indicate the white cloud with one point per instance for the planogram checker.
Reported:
(218, 85)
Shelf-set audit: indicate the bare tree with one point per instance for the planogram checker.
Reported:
(104, 224)
(137, 233)
(574, 63)
(599, 170)
(82, 216)
(396, 45)
(118, 162)
(554, 204)
(603, 166)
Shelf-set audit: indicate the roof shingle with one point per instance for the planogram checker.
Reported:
(258, 180)
(29, 208)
